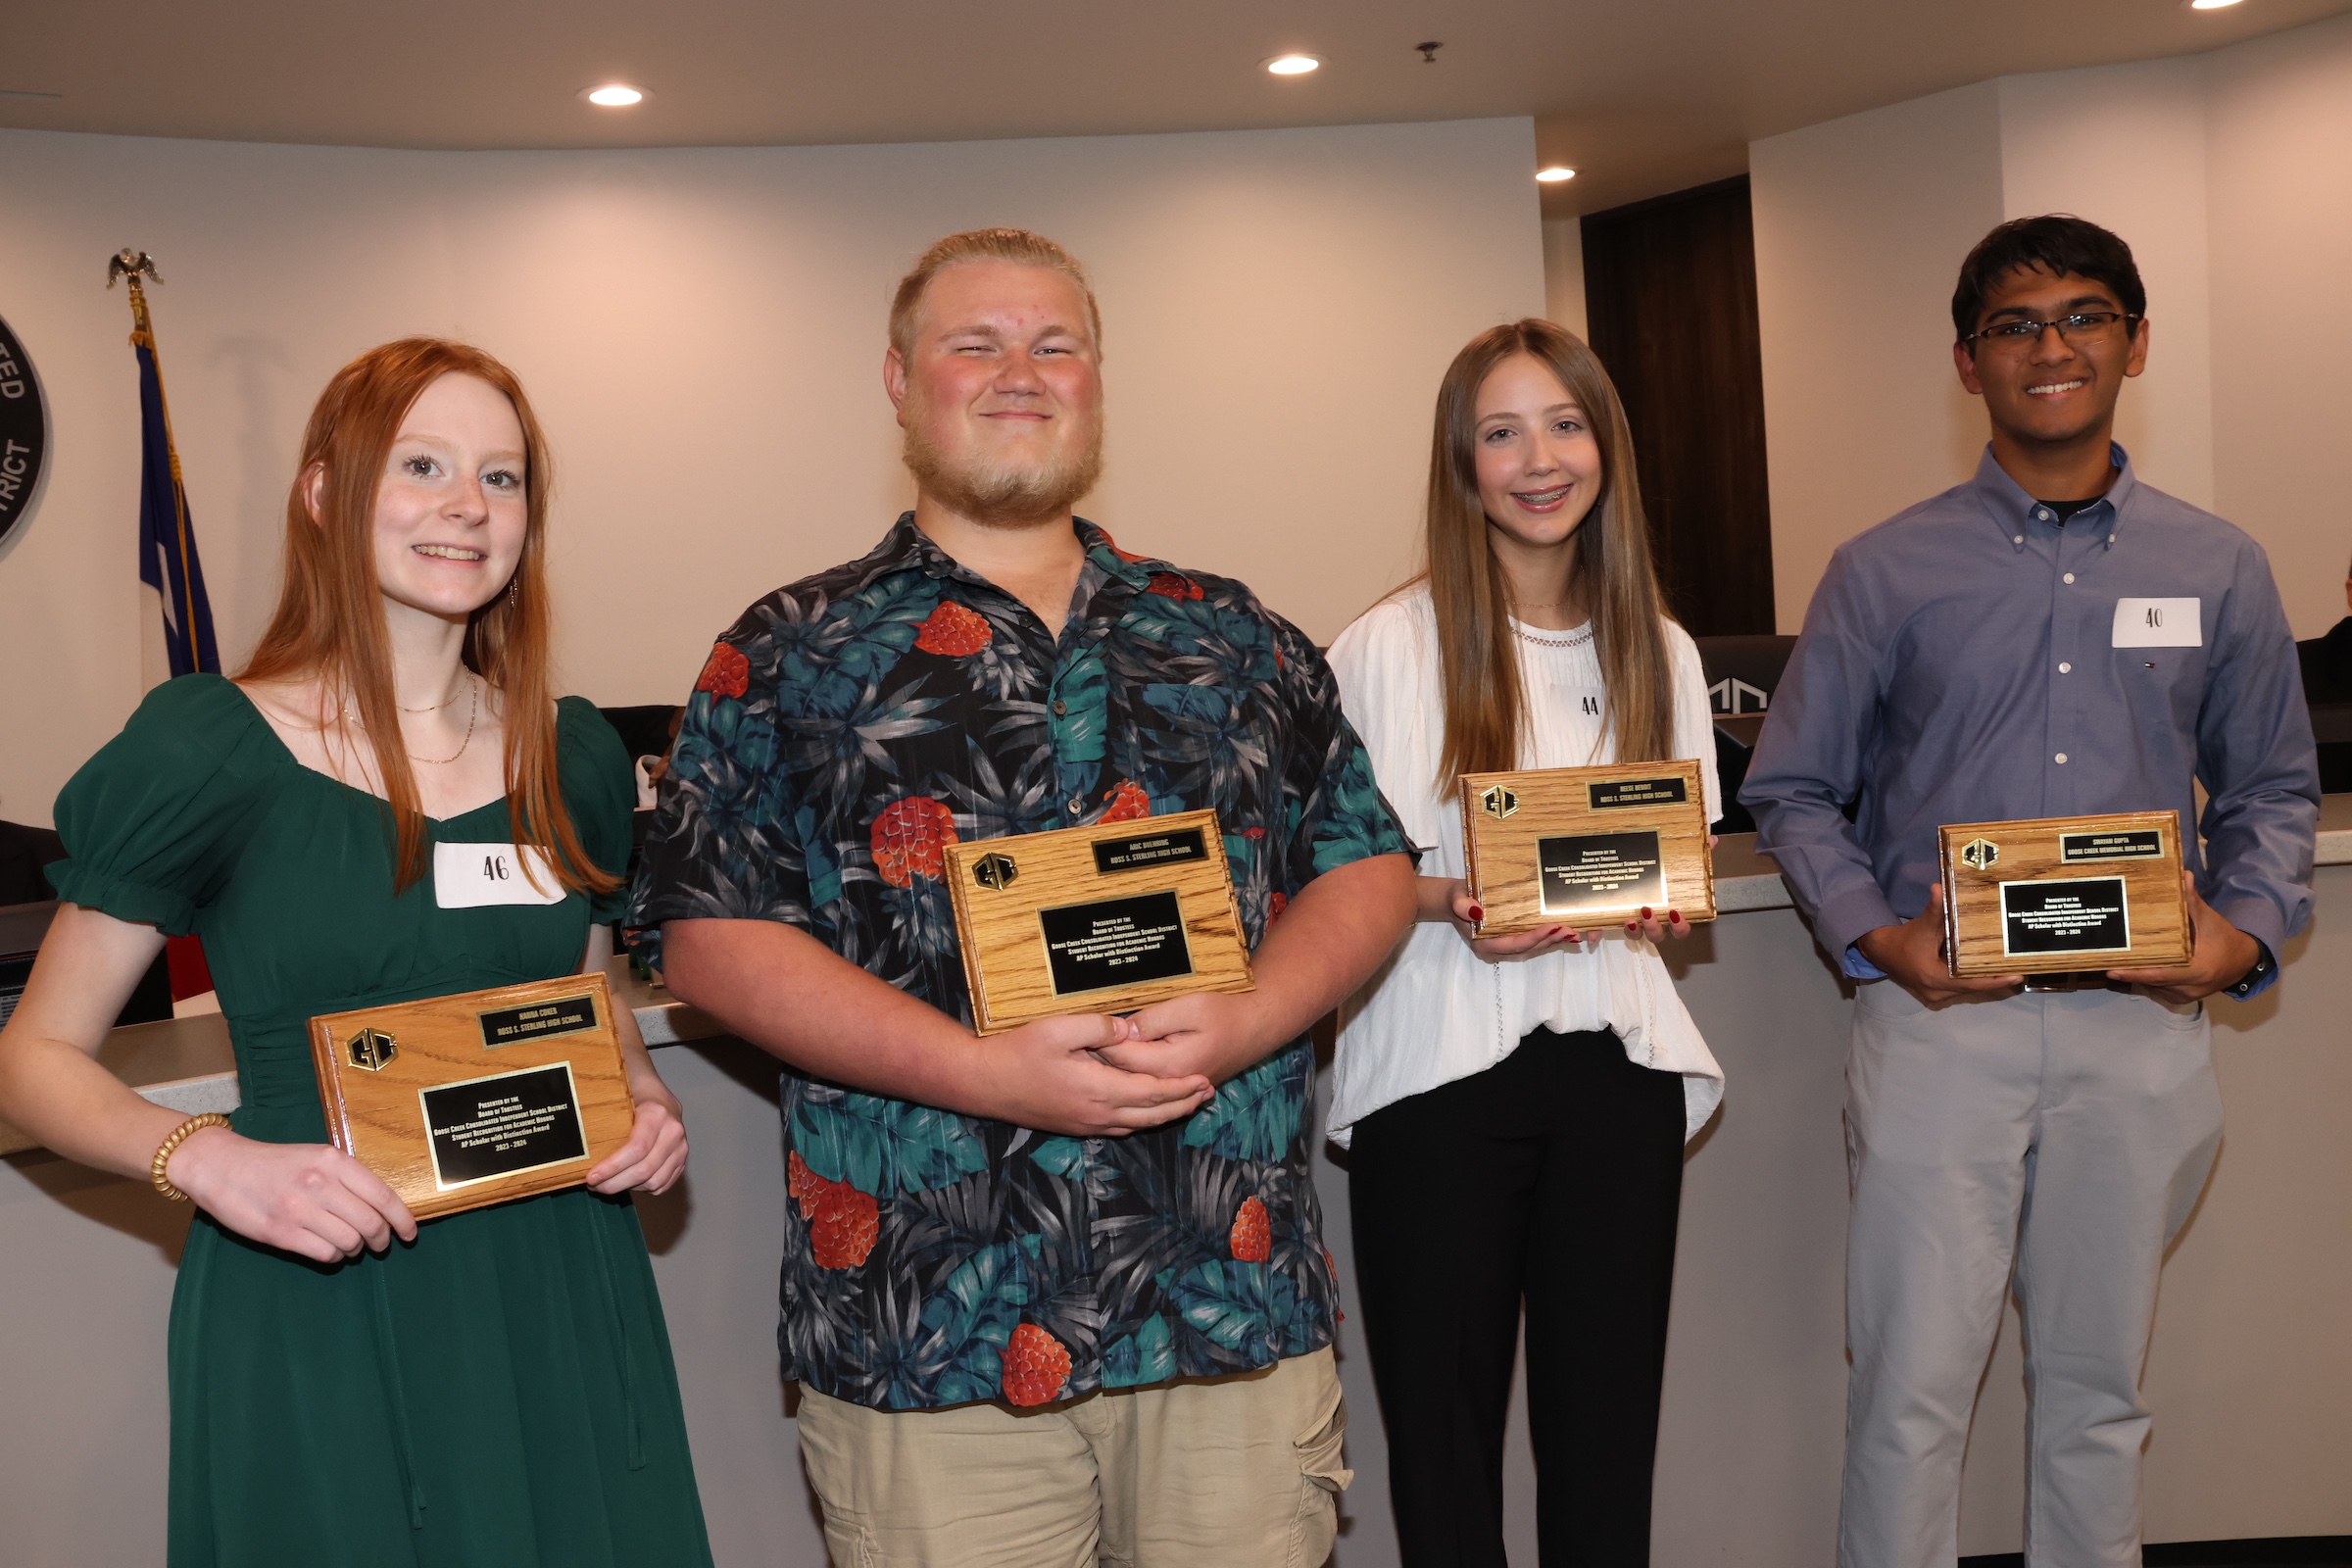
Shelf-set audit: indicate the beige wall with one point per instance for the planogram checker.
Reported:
(701, 332)
(2124, 147)
(1860, 224)
(1564, 274)
(2280, 177)
(2230, 173)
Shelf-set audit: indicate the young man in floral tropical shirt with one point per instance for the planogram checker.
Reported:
(1058, 1294)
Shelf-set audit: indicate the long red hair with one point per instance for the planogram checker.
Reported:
(329, 622)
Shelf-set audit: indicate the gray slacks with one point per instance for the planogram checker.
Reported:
(2050, 1143)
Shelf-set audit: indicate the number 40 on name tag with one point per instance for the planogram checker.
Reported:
(471, 876)
(2157, 623)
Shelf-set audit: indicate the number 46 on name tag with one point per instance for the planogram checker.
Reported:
(2157, 623)
(471, 876)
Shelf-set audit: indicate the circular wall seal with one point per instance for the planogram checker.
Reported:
(24, 434)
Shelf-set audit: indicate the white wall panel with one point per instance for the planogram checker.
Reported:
(702, 331)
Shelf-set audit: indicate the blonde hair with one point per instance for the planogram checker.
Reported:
(1486, 707)
(1017, 245)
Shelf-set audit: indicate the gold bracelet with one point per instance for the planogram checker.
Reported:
(170, 1145)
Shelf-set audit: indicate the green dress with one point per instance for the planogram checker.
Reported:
(499, 1393)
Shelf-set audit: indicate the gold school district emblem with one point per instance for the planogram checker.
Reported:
(372, 1049)
(1980, 854)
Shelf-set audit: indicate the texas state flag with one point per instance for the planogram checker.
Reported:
(167, 560)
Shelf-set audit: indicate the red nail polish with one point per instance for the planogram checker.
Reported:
(1476, 913)
(1630, 928)
(1674, 917)
(1645, 911)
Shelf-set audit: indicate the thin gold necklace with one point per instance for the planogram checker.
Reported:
(463, 676)
(473, 717)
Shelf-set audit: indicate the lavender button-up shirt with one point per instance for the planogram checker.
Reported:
(1977, 659)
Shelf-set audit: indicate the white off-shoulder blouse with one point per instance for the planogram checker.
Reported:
(1435, 1012)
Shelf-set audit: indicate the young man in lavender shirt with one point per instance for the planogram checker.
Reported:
(1988, 655)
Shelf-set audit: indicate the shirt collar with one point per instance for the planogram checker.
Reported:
(2015, 513)
(906, 548)
(1134, 573)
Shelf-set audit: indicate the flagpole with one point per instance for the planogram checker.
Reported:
(130, 265)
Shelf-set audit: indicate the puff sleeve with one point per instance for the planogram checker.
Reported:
(155, 822)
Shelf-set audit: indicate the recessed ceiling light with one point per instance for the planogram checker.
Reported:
(616, 95)
(2209, 5)
(1556, 173)
(1293, 65)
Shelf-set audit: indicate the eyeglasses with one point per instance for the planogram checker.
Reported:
(2082, 326)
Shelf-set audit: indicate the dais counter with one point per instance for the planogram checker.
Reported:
(2248, 1375)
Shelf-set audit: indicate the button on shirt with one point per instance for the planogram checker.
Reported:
(844, 731)
(1960, 664)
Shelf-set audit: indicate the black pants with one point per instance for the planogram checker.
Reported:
(1556, 1175)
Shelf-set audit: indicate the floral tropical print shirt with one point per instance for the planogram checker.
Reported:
(843, 730)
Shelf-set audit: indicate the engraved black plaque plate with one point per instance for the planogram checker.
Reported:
(2084, 915)
(2139, 846)
(1588, 871)
(565, 1015)
(1623, 792)
(1115, 942)
(1149, 850)
(504, 1124)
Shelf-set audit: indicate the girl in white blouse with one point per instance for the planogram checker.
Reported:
(1516, 1107)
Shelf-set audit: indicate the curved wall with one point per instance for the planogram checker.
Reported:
(701, 332)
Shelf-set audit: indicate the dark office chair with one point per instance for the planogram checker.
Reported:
(1742, 674)
(2328, 687)
(24, 852)
(645, 730)
(26, 902)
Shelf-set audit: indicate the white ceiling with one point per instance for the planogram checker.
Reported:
(1643, 98)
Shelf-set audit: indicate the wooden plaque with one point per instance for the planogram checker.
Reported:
(2064, 894)
(1106, 918)
(1587, 846)
(463, 1100)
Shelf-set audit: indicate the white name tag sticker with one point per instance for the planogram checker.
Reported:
(473, 876)
(2158, 623)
